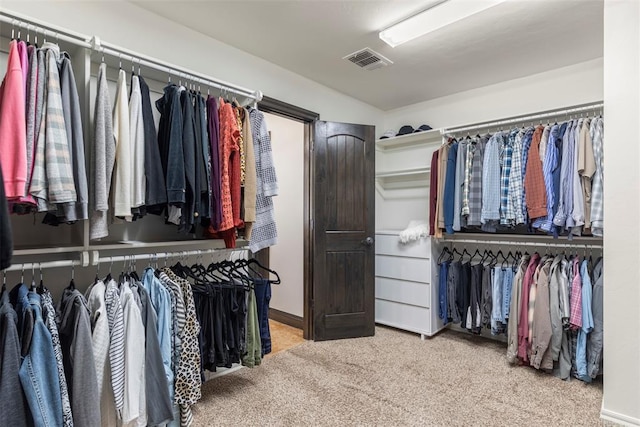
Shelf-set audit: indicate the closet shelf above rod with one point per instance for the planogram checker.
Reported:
(171, 70)
(539, 243)
(519, 119)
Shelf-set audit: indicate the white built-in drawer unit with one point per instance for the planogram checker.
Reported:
(405, 295)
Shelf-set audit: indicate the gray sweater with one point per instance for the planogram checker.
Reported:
(102, 158)
(73, 123)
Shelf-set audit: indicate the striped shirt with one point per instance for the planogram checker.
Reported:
(475, 185)
(115, 316)
(597, 196)
(560, 218)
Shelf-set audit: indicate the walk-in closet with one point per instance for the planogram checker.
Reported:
(356, 212)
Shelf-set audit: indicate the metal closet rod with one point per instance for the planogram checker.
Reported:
(528, 244)
(172, 70)
(163, 255)
(519, 119)
(19, 22)
(44, 265)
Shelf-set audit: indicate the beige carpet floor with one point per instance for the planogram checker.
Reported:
(394, 379)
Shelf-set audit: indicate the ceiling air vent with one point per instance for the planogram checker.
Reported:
(368, 59)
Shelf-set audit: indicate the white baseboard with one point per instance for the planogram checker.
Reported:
(617, 418)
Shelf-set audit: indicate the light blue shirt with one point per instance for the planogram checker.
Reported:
(497, 316)
(506, 291)
(587, 325)
(491, 181)
(161, 301)
(566, 183)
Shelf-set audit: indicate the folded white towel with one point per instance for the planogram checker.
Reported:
(414, 231)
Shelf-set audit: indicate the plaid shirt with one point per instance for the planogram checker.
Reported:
(475, 185)
(468, 170)
(534, 181)
(514, 207)
(575, 297)
(506, 155)
(58, 170)
(597, 196)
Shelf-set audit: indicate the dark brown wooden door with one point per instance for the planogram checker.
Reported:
(343, 230)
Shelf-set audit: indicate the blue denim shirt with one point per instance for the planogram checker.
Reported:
(587, 325)
(449, 189)
(39, 373)
(161, 301)
(506, 291)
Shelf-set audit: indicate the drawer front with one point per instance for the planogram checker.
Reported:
(393, 267)
(412, 293)
(402, 316)
(390, 245)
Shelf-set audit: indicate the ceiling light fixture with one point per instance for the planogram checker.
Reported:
(433, 18)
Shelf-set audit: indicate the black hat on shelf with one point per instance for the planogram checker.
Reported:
(405, 130)
(423, 128)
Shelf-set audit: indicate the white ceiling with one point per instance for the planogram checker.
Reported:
(309, 37)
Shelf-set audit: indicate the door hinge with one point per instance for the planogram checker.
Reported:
(311, 224)
(312, 142)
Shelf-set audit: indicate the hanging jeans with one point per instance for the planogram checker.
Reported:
(263, 296)
(39, 373)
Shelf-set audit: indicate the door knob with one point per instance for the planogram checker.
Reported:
(368, 241)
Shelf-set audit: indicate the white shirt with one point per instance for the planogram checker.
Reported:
(136, 124)
(122, 184)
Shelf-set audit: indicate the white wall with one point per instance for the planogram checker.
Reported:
(575, 84)
(127, 25)
(287, 257)
(622, 210)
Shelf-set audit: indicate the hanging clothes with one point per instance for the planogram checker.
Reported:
(49, 315)
(122, 187)
(13, 142)
(138, 148)
(13, 403)
(250, 175)
(74, 325)
(38, 370)
(6, 236)
(102, 158)
(155, 188)
(264, 232)
(73, 123)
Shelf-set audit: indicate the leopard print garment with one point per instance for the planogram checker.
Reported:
(188, 380)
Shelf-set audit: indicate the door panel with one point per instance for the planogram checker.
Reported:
(343, 198)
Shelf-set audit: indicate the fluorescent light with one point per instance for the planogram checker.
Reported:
(433, 19)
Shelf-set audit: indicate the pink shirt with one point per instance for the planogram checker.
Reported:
(523, 321)
(13, 128)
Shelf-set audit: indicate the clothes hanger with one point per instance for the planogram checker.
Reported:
(275, 273)
(477, 252)
(445, 251)
(33, 277)
(41, 285)
(72, 283)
